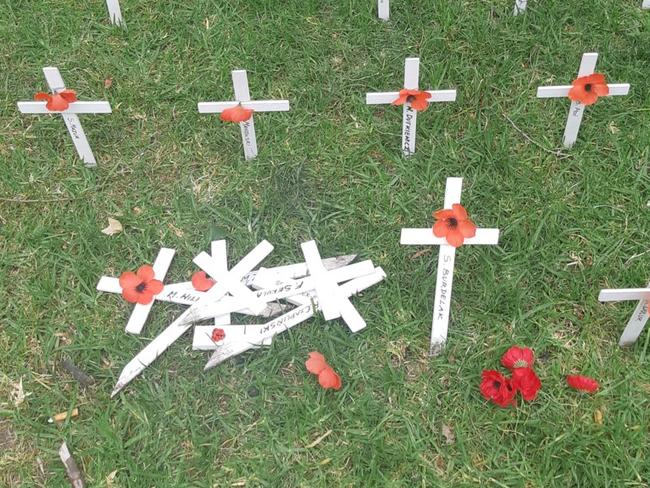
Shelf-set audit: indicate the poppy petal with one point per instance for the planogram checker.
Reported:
(401, 100)
(145, 297)
(467, 228)
(420, 104)
(601, 90)
(576, 93)
(130, 295)
(445, 213)
(41, 97)
(454, 238)
(440, 228)
(129, 279)
(236, 114)
(154, 287)
(218, 334)
(526, 382)
(329, 379)
(589, 98)
(459, 211)
(57, 103)
(68, 95)
(316, 363)
(201, 282)
(518, 357)
(145, 272)
(582, 383)
(597, 79)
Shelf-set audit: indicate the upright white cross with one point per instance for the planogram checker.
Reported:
(520, 6)
(587, 67)
(446, 258)
(55, 83)
(115, 13)
(409, 119)
(645, 4)
(383, 9)
(640, 316)
(242, 96)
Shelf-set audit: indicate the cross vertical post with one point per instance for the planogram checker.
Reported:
(520, 6)
(383, 9)
(115, 13)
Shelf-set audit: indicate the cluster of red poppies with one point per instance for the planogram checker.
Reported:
(519, 360)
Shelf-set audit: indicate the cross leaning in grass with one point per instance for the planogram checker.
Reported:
(115, 13)
(413, 100)
(520, 6)
(241, 110)
(587, 67)
(69, 110)
(446, 258)
(640, 316)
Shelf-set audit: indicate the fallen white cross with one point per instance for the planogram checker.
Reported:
(639, 318)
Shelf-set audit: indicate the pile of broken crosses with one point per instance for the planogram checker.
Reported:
(282, 297)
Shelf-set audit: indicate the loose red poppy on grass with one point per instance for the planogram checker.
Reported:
(587, 89)
(141, 286)
(327, 377)
(236, 114)
(454, 225)
(201, 281)
(526, 382)
(59, 101)
(582, 383)
(218, 334)
(419, 100)
(497, 388)
(518, 357)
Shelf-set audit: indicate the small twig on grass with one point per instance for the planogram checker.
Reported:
(556, 152)
(83, 379)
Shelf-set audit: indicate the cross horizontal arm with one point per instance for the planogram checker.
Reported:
(419, 237)
(74, 108)
(623, 294)
(255, 105)
(615, 89)
(382, 98)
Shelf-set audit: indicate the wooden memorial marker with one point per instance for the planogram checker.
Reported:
(242, 97)
(383, 9)
(587, 67)
(638, 319)
(115, 13)
(520, 6)
(409, 119)
(56, 85)
(446, 258)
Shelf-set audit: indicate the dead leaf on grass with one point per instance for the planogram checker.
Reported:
(114, 227)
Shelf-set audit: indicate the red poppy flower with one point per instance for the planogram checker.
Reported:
(526, 382)
(453, 225)
(327, 377)
(418, 99)
(518, 357)
(497, 388)
(236, 114)
(59, 101)
(587, 89)
(201, 281)
(141, 286)
(582, 383)
(218, 334)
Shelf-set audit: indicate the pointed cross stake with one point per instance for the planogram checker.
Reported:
(640, 316)
(446, 258)
(520, 6)
(242, 96)
(409, 119)
(229, 283)
(115, 13)
(55, 82)
(383, 9)
(587, 67)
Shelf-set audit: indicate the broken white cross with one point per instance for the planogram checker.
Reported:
(228, 283)
(640, 316)
(576, 111)
(446, 258)
(520, 6)
(383, 9)
(409, 118)
(115, 13)
(55, 83)
(242, 96)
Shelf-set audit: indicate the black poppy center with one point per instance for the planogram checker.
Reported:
(140, 288)
(452, 222)
(588, 87)
(410, 98)
(497, 384)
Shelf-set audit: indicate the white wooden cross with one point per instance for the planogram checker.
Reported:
(587, 67)
(55, 83)
(640, 316)
(520, 6)
(645, 4)
(409, 119)
(242, 96)
(383, 9)
(446, 258)
(115, 13)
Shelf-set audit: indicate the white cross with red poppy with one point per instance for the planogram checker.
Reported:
(413, 100)
(241, 110)
(383, 9)
(587, 68)
(520, 6)
(456, 223)
(68, 107)
(638, 319)
(115, 13)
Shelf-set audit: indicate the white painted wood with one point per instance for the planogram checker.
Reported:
(645, 4)
(115, 13)
(179, 326)
(520, 6)
(615, 89)
(141, 312)
(383, 9)
(409, 115)
(446, 260)
(256, 105)
(74, 108)
(219, 253)
(639, 318)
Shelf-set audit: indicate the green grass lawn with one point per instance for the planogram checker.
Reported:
(572, 221)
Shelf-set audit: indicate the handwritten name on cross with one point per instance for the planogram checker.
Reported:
(242, 96)
(520, 6)
(383, 9)
(446, 258)
(409, 118)
(587, 67)
(55, 83)
(115, 13)
(638, 319)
